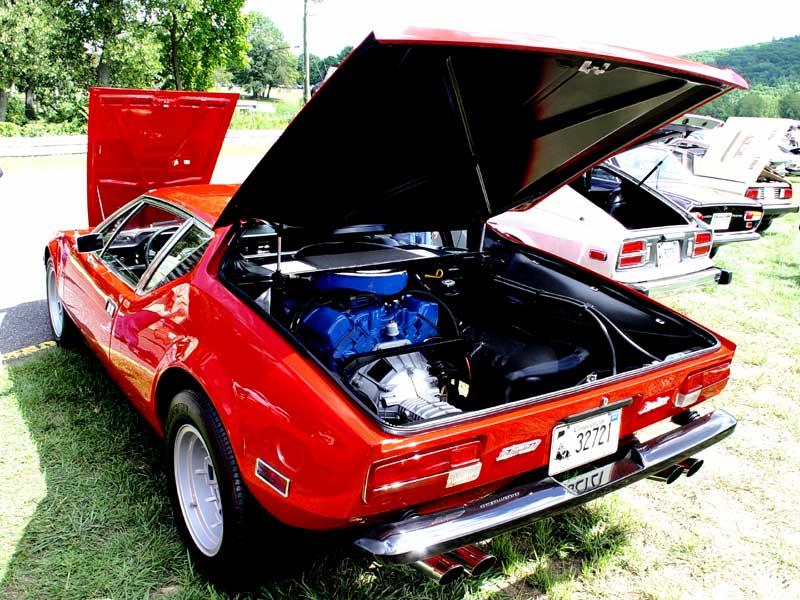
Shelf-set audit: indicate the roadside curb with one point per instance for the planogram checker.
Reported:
(61, 145)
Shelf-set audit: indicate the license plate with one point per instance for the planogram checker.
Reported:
(720, 221)
(668, 253)
(586, 482)
(575, 444)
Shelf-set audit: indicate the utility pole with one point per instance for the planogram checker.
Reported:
(306, 67)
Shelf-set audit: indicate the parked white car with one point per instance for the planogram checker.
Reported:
(735, 158)
(607, 222)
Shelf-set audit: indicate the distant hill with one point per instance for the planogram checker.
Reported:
(773, 71)
(768, 63)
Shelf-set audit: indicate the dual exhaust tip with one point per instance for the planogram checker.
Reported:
(447, 568)
(469, 560)
(690, 466)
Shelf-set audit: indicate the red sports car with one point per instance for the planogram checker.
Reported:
(341, 339)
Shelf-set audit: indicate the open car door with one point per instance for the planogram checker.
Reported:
(144, 139)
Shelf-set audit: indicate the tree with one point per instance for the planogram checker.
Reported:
(197, 36)
(318, 67)
(751, 105)
(8, 51)
(27, 46)
(269, 61)
(115, 43)
(790, 105)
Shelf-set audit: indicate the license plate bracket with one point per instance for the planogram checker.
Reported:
(668, 253)
(580, 441)
(721, 221)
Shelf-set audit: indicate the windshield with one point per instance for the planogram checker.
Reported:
(641, 161)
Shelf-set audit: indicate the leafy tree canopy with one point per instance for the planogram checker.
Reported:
(773, 71)
(197, 36)
(269, 59)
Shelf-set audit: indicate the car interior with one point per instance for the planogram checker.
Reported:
(634, 206)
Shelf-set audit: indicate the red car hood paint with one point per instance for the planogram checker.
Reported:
(430, 129)
(143, 139)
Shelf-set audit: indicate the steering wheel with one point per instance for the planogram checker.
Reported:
(149, 251)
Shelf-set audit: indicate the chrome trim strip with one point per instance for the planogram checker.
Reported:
(430, 534)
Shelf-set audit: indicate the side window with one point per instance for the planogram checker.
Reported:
(602, 176)
(108, 229)
(181, 258)
(138, 240)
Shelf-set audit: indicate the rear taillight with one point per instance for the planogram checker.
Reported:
(702, 244)
(702, 385)
(632, 254)
(424, 474)
(752, 215)
(751, 193)
(785, 193)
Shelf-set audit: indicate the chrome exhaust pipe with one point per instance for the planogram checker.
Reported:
(668, 475)
(691, 465)
(474, 561)
(440, 568)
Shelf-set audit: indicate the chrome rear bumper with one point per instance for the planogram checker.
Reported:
(720, 239)
(777, 210)
(679, 282)
(427, 535)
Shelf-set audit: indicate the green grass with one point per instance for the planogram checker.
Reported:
(284, 112)
(83, 509)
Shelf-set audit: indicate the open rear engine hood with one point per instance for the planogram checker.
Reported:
(143, 139)
(432, 129)
(740, 149)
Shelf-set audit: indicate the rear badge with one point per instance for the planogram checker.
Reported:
(653, 404)
(517, 449)
(273, 478)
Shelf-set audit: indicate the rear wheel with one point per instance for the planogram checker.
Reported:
(64, 331)
(212, 506)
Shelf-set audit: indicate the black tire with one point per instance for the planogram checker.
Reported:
(66, 336)
(239, 509)
(714, 251)
(764, 225)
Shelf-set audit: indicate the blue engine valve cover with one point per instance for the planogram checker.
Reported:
(337, 334)
(381, 283)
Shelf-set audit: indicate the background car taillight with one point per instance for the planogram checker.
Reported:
(703, 384)
(632, 254)
(424, 474)
(752, 218)
(752, 193)
(702, 244)
(785, 193)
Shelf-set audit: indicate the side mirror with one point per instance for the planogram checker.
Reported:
(89, 242)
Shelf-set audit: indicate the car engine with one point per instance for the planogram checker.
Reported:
(356, 316)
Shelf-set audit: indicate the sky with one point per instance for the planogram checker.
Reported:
(668, 26)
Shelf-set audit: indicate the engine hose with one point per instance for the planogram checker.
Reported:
(603, 328)
(441, 303)
(627, 338)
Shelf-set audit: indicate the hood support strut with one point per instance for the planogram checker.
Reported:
(455, 89)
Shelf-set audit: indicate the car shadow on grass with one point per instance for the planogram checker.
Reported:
(102, 525)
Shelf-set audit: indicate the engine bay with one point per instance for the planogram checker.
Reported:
(418, 332)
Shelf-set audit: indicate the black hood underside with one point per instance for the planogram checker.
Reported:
(413, 137)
